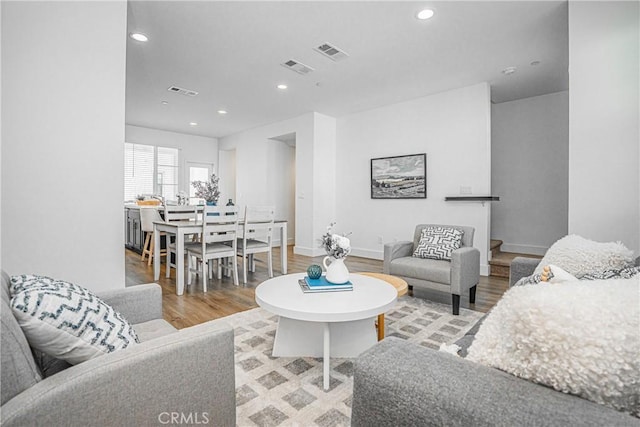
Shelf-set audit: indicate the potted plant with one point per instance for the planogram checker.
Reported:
(208, 190)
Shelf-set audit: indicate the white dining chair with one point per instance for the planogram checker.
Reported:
(256, 237)
(217, 242)
(177, 213)
(147, 216)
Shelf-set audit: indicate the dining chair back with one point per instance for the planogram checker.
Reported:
(217, 241)
(177, 213)
(147, 217)
(257, 232)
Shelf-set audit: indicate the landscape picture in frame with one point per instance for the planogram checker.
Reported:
(399, 177)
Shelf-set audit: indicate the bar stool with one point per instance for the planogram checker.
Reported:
(147, 217)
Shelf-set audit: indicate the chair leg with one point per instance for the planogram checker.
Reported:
(189, 268)
(245, 260)
(145, 247)
(234, 261)
(455, 299)
(152, 244)
(472, 294)
(270, 263)
(168, 264)
(205, 264)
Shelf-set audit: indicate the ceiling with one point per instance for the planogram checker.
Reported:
(230, 53)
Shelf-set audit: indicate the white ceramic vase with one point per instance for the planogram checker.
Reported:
(337, 272)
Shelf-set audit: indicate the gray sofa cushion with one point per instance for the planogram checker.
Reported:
(152, 329)
(426, 269)
(19, 369)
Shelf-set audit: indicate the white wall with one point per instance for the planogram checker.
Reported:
(454, 129)
(192, 148)
(530, 172)
(254, 153)
(63, 102)
(604, 161)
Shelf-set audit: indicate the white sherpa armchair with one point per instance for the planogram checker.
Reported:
(459, 275)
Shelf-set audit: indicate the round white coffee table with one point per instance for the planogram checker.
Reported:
(325, 324)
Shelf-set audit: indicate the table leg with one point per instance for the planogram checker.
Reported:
(326, 359)
(180, 263)
(283, 248)
(156, 253)
(380, 327)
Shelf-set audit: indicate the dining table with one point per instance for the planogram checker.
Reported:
(189, 227)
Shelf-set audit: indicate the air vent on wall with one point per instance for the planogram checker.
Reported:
(187, 92)
(331, 52)
(296, 66)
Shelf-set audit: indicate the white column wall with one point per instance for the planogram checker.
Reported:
(530, 172)
(63, 113)
(604, 137)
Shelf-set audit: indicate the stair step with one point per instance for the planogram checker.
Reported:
(500, 264)
(495, 244)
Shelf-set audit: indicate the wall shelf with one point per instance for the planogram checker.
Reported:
(472, 199)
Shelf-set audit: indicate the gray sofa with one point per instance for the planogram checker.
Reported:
(186, 376)
(397, 383)
(456, 277)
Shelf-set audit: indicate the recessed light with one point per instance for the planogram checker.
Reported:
(164, 102)
(222, 111)
(425, 14)
(282, 86)
(534, 63)
(509, 70)
(138, 37)
(193, 124)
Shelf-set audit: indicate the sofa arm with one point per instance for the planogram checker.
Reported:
(137, 304)
(521, 267)
(395, 250)
(465, 269)
(190, 372)
(397, 383)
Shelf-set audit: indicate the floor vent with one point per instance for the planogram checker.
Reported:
(331, 52)
(186, 92)
(298, 67)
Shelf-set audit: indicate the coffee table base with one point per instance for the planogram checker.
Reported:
(298, 338)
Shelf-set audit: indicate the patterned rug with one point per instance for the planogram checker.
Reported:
(287, 391)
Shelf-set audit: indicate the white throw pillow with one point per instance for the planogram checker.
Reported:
(578, 337)
(579, 256)
(67, 321)
(438, 242)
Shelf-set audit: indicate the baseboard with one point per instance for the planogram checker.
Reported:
(367, 253)
(484, 269)
(523, 249)
(276, 242)
(310, 252)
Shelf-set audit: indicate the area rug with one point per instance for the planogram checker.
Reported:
(287, 391)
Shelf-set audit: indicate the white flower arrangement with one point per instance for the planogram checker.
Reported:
(207, 190)
(337, 246)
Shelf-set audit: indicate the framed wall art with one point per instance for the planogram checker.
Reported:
(399, 177)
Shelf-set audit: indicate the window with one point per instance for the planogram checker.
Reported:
(144, 162)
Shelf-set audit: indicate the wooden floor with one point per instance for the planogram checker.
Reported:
(223, 298)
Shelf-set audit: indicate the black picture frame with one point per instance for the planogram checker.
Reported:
(399, 177)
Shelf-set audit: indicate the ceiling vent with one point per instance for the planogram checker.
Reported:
(298, 67)
(187, 92)
(331, 52)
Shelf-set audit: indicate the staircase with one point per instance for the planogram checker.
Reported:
(500, 264)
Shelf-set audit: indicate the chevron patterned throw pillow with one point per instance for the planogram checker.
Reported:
(438, 243)
(67, 321)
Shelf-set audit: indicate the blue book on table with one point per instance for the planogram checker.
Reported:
(322, 283)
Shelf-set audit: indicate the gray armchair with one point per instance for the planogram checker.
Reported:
(188, 372)
(457, 276)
